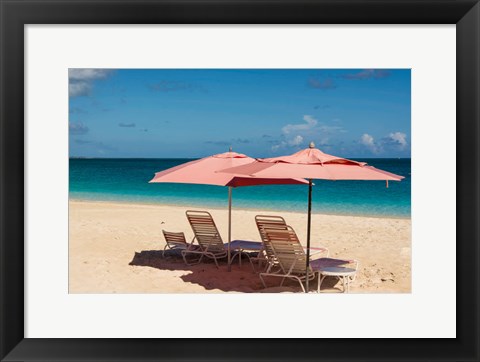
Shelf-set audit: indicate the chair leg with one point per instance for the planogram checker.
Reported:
(344, 285)
(320, 281)
(300, 282)
(251, 263)
(211, 255)
(263, 281)
(253, 266)
(184, 255)
(163, 252)
(234, 255)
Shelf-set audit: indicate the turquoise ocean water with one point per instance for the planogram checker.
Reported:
(126, 180)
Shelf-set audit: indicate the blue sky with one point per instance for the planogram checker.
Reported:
(356, 113)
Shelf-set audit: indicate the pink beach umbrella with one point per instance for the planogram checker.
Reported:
(204, 171)
(311, 163)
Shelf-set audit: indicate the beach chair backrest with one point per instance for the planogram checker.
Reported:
(174, 239)
(288, 250)
(269, 222)
(205, 230)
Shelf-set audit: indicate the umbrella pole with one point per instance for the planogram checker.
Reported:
(309, 222)
(229, 224)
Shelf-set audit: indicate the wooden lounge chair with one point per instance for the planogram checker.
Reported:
(176, 241)
(268, 222)
(289, 256)
(210, 242)
(277, 223)
(206, 233)
(291, 259)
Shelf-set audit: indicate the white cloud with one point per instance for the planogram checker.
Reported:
(81, 80)
(77, 128)
(310, 123)
(294, 135)
(369, 142)
(395, 141)
(296, 141)
(88, 74)
(399, 138)
(292, 142)
(79, 89)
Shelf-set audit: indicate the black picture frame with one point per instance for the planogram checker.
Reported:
(16, 14)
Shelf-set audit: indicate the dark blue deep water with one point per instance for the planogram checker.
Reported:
(126, 180)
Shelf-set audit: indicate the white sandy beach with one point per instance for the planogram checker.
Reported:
(116, 248)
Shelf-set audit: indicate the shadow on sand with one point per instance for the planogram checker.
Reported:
(240, 279)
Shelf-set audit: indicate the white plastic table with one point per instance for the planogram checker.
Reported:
(241, 246)
(339, 272)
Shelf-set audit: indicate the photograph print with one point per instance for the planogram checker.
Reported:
(239, 180)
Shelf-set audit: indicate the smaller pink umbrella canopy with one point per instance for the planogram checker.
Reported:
(203, 171)
(311, 163)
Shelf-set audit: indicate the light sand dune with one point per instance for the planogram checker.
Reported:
(115, 248)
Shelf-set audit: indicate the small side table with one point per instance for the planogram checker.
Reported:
(341, 273)
(239, 247)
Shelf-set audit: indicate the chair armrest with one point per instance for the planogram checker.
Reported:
(316, 251)
(191, 246)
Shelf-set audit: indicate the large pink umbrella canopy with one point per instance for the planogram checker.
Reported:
(204, 171)
(311, 163)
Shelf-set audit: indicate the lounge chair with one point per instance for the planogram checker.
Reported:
(277, 223)
(206, 233)
(208, 237)
(176, 241)
(289, 256)
(271, 222)
(291, 259)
